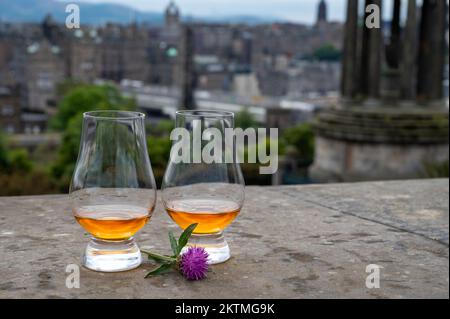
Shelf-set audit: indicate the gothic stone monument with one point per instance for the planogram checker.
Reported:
(392, 120)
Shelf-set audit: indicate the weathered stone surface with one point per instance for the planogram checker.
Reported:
(389, 142)
(292, 242)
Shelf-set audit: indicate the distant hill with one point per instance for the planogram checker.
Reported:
(36, 10)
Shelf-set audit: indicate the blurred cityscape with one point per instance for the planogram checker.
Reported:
(291, 76)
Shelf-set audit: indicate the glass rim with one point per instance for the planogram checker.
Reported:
(113, 115)
(205, 113)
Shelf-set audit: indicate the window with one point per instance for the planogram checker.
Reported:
(7, 110)
(10, 129)
(44, 81)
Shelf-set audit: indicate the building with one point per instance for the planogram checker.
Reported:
(172, 16)
(164, 49)
(83, 58)
(10, 110)
(247, 61)
(322, 12)
(44, 67)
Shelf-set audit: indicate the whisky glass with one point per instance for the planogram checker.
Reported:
(206, 185)
(113, 190)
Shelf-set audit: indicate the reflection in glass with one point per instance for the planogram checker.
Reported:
(113, 190)
(204, 192)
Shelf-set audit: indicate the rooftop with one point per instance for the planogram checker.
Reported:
(289, 242)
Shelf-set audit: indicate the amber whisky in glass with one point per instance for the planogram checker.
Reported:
(113, 190)
(209, 193)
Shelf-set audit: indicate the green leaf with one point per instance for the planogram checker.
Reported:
(182, 241)
(173, 244)
(160, 270)
(158, 257)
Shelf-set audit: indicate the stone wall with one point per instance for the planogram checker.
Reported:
(352, 161)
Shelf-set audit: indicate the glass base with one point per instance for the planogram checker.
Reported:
(112, 256)
(215, 245)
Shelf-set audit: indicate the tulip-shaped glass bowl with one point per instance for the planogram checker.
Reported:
(113, 190)
(203, 182)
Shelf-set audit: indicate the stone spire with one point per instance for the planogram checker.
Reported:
(322, 12)
(172, 14)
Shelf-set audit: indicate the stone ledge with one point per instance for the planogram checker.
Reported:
(384, 125)
(289, 242)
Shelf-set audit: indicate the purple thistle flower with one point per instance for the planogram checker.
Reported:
(194, 263)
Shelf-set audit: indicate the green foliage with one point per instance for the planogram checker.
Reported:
(170, 262)
(252, 175)
(69, 118)
(82, 98)
(163, 128)
(256, 148)
(327, 53)
(436, 170)
(251, 170)
(19, 160)
(43, 154)
(16, 160)
(301, 137)
(244, 119)
(34, 182)
(159, 152)
(159, 145)
(3, 154)
(68, 150)
(18, 176)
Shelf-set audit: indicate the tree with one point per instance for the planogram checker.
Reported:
(68, 150)
(159, 152)
(163, 128)
(19, 161)
(69, 119)
(244, 119)
(16, 160)
(301, 137)
(327, 53)
(16, 172)
(82, 98)
(3, 154)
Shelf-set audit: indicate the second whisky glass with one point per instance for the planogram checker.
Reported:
(210, 193)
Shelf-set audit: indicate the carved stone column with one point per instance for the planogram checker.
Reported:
(409, 55)
(188, 78)
(371, 57)
(349, 64)
(432, 50)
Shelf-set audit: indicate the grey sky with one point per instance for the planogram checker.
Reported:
(304, 11)
(291, 10)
